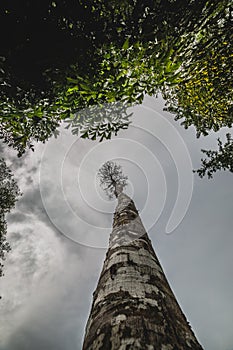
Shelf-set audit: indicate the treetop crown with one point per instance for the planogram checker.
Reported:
(112, 179)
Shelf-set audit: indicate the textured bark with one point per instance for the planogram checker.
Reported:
(133, 305)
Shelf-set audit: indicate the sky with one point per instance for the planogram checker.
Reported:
(60, 227)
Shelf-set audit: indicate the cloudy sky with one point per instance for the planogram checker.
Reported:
(59, 231)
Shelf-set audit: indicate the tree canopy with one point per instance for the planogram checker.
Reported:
(203, 97)
(112, 179)
(62, 57)
(9, 192)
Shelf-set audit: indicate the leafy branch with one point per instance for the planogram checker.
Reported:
(217, 160)
(9, 193)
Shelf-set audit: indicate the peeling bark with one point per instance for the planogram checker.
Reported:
(133, 304)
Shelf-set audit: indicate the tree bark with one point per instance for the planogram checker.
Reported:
(133, 304)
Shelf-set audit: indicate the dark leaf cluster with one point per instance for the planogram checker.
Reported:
(9, 192)
(100, 121)
(222, 159)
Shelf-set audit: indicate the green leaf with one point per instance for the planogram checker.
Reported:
(126, 44)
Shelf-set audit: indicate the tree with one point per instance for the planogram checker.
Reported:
(124, 52)
(112, 179)
(203, 96)
(9, 192)
(20, 131)
(133, 305)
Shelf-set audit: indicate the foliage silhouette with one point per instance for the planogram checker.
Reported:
(218, 160)
(56, 62)
(9, 192)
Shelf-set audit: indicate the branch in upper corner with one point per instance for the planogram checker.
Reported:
(217, 160)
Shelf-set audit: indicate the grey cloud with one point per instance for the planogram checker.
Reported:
(54, 316)
(16, 217)
(1, 148)
(31, 201)
(29, 180)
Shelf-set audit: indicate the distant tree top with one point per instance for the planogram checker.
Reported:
(112, 179)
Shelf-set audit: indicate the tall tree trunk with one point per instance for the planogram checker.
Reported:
(133, 304)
